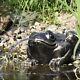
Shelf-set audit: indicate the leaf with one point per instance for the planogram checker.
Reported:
(78, 5)
(31, 2)
(77, 15)
(78, 18)
(78, 31)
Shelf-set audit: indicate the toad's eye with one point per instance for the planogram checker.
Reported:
(50, 36)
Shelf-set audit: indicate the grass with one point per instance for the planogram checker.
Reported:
(77, 15)
(45, 8)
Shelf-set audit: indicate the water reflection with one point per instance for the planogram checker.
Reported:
(40, 73)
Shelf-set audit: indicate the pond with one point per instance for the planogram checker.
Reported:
(40, 72)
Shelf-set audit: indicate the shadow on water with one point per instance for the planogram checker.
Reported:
(40, 72)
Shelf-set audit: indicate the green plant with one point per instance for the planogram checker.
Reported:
(45, 8)
(77, 14)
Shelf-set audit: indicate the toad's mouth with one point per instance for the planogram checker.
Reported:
(46, 43)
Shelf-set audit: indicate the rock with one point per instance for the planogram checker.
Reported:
(23, 48)
(17, 30)
(19, 37)
(10, 33)
(52, 28)
(33, 30)
(11, 41)
(37, 24)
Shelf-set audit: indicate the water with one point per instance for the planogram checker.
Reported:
(40, 72)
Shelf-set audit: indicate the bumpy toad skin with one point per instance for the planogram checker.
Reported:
(45, 46)
(41, 46)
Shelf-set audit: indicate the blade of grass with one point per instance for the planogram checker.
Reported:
(77, 28)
